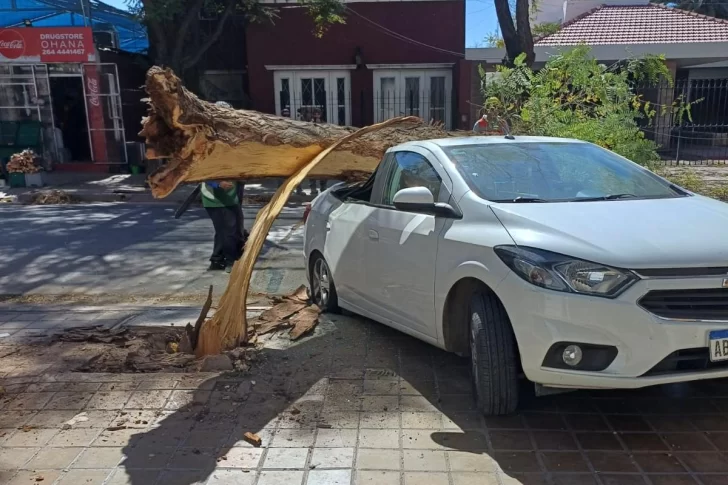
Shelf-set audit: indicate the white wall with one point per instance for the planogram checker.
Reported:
(564, 10)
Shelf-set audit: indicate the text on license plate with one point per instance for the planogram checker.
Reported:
(718, 342)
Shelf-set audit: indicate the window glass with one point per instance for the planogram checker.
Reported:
(553, 172)
(411, 170)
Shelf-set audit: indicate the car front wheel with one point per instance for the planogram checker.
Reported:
(323, 291)
(493, 355)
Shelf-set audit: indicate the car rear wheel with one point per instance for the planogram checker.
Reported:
(323, 291)
(493, 354)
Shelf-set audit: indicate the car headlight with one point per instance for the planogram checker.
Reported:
(563, 273)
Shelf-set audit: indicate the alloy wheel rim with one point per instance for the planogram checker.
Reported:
(321, 283)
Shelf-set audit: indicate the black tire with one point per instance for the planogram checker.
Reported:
(493, 354)
(323, 294)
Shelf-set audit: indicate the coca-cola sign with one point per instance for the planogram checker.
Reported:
(51, 44)
(12, 44)
(92, 84)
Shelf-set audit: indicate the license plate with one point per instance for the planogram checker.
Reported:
(718, 342)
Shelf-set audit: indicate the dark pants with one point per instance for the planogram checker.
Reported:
(229, 240)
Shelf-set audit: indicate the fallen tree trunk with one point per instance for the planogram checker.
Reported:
(203, 141)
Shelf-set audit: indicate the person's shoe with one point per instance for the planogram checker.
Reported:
(215, 266)
(229, 268)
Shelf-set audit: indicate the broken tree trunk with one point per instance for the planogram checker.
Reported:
(204, 141)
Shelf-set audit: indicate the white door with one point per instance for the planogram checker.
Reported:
(345, 252)
(410, 92)
(314, 95)
(402, 248)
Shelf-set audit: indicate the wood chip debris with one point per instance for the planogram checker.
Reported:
(292, 311)
(253, 439)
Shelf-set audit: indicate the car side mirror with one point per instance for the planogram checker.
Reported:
(421, 200)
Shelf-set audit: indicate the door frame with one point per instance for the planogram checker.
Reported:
(400, 75)
(330, 76)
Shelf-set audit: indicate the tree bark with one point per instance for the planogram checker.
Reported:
(203, 141)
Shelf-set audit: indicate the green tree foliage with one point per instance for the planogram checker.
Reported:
(574, 96)
(182, 32)
(713, 8)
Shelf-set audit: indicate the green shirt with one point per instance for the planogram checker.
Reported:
(219, 197)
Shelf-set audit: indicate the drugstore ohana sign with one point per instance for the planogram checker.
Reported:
(58, 44)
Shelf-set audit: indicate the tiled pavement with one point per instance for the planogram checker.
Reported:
(356, 403)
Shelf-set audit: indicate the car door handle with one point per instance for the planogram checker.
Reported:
(373, 235)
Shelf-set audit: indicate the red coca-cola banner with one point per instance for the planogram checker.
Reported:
(95, 110)
(56, 44)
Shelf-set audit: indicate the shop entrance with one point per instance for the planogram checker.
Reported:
(69, 112)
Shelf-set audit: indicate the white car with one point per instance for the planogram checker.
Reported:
(548, 258)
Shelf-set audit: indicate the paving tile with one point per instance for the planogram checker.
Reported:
(32, 477)
(511, 440)
(280, 477)
(74, 437)
(370, 477)
(462, 420)
(30, 400)
(12, 458)
(188, 458)
(266, 435)
(514, 461)
(564, 462)
(621, 479)
(340, 419)
(123, 476)
(419, 439)
(463, 461)
(99, 458)
(379, 438)
(120, 437)
(118, 386)
(604, 462)
(598, 441)
(53, 458)
(378, 459)
(158, 383)
(180, 399)
(554, 441)
(186, 477)
(84, 477)
(381, 387)
(425, 478)
(574, 479)
(69, 400)
(51, 419)
(285, 458)
(329, 477)
(380, 403)
(424, 460)
(31, 437)
(678, 480)
(109, 400)
(658, 463)
(415, 420)
(470, 478)
(705, 462)
(375, 420)
(416, 404)
(242, 458)
(143, 458)
(231, 477)
(15, 419)
(336, 438)
(293, 438)
(687, 442)
(332, 457)
(148, 399)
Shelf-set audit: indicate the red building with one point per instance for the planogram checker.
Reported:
(391, 58)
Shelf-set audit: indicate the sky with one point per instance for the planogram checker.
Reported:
(479, 19)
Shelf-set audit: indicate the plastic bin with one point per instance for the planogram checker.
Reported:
(34, 179)
(16, 179)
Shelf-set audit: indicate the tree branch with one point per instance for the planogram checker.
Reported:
(523, 26)
(191, 61)
(508, 29)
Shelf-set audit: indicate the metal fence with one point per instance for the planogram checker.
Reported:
(698, 139)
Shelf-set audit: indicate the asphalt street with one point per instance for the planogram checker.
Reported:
(120, 250)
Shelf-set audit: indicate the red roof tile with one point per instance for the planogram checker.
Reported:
(638, 24)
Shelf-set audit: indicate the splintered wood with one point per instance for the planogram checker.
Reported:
(203, 141)
(291, 312)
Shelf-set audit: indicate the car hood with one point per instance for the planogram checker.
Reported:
(657, 233)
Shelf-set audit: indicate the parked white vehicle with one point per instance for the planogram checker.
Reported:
(547, 258)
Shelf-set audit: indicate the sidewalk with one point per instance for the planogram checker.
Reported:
(355, 403)
(89, 187)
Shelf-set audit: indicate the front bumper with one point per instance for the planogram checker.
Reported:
(541, 318)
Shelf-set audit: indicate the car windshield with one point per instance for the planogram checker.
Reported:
(554, 172)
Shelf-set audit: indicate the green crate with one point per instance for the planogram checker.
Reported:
(16, 179)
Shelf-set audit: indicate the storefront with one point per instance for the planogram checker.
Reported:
(57, 97)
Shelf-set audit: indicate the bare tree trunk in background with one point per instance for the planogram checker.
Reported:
(517, 36)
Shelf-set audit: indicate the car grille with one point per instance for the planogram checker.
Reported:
(686, 360)
(700, 304)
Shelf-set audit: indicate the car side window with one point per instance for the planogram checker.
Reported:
(411, 170)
